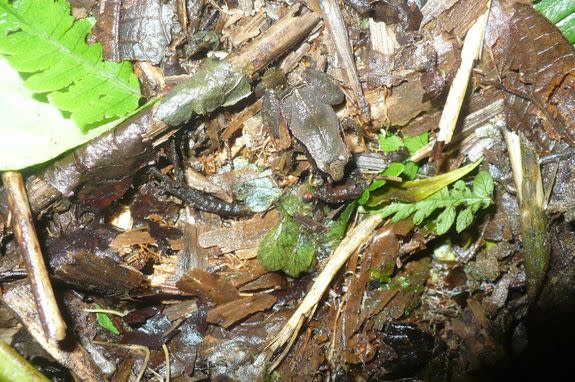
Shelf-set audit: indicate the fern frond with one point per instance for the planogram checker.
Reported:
(40, 37)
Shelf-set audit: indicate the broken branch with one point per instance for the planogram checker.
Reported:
(23, 227)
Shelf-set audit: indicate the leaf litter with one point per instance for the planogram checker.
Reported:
(451, 269)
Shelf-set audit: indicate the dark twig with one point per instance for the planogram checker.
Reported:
(23, 227)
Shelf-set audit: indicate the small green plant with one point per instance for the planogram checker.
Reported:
(106, 322)
(291, 247)
(389, 143)
(56, 91)
(459, 205)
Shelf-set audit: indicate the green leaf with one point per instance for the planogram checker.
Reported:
(14, 368)
(448, 200)
(394, 169)
(40, 37)
(556, 10)
(393, 208)
(377, 183)
(483, 184)
(415, 190)
(286, 247)
(424, 209)
(562, 14)
(389, 143)
(106, 322)
(413, 144)
(32, 131)
(410, 170)
(338, 227)
(464, 219)
(445, 220)
(406, 211)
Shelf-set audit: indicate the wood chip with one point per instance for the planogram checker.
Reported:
(241, 235)
(228, 314)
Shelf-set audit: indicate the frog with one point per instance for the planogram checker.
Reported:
(307, 111)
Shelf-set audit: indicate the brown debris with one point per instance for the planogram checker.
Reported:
(207, 286)
(228, 314)
(241, 235)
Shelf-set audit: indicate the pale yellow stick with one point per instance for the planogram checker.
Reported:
(471, 51)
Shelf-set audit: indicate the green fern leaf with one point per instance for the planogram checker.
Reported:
(40, 37)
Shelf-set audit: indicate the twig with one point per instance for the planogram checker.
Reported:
(167, 356)
(106, 311)
(334, 22)
(23, 227)
(471, 51)
(348, 245)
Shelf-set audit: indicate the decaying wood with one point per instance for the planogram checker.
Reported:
(25, 233)
(19, 299)
(207, 286)
(241, 235)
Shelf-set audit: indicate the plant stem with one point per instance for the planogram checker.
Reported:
(14, 368)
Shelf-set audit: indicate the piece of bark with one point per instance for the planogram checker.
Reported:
(241, 235)
(333, 20)
(207, 286)
(103, 275)
(228, 314)
(136, 30)
(18, 298)
(83, 259)
(270, 280)
(452, 16)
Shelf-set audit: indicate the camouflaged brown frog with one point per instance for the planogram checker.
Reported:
(308, 113)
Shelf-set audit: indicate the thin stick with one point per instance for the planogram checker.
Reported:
(167, 356)
(106, 311)
(471, 51)
(52, 321)
(348, 245)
